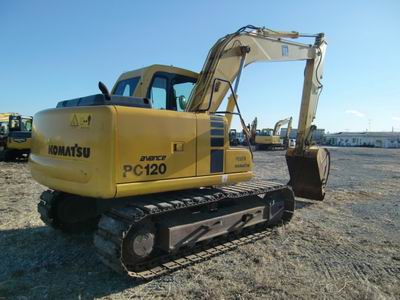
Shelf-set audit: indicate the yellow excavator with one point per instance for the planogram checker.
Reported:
(149, 163)
(15, 136)
(250, 131)
(270, 139)
(233, 137)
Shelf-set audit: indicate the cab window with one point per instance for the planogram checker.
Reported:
(26, 124)
(182, 88)
(126, 87)
(3, 128)
(170, 91)
(158, 93)
(15, 124)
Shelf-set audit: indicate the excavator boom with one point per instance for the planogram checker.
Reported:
(279, 124)
(250, 44)
(254, 44)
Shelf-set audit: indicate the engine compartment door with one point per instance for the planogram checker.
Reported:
(154, 144)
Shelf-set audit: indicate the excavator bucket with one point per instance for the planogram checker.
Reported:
(309, 172)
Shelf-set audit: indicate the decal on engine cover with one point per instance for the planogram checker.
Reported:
(81, 120)
(241, 162)
(71, 151)
(146, 169)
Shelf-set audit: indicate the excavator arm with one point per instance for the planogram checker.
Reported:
(224, 65)
(250, 44)
(253, 131)
(279, 124)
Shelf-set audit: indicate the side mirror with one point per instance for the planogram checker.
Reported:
(104, 90)
(182, 101)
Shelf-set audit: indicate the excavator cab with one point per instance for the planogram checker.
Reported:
(266, 132)
(167, 87)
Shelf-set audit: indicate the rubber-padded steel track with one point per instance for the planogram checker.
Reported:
(45, 206)
(82, 214)
(115, 225)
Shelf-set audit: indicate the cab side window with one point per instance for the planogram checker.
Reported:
(15, 124)
(126, 87)
(3, 128)
(182, 91)
(26, 124)
(170, 91)
(158, 93)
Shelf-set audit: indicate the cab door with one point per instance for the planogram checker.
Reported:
(170, 91)
(157, 143)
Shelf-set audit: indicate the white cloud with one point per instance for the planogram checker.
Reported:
(356, 113)
(396, 118)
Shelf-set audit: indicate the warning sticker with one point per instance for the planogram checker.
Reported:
(81, 120)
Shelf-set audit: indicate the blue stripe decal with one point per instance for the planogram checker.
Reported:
(217, 132)
(217, 142)
(217, 124)
(216, 161)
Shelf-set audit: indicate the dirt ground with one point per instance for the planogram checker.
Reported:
(347, 246)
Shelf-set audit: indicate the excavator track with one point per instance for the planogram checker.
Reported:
(52, 203)
(115, 224)
(45, 205)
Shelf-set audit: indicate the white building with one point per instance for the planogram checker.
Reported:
(364, 139)
(318, 134)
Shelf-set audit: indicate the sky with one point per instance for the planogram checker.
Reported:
(58, 50)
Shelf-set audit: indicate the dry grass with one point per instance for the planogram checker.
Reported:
(345, 247)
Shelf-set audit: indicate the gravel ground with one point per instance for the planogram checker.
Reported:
(347, 246)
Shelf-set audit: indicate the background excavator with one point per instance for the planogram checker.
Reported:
(233, 137)
(270, 139)
(15, 136)
(149, 163)
(250, 131)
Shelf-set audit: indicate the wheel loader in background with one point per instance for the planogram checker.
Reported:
(149, 163)
(270, 139)
(15, 136)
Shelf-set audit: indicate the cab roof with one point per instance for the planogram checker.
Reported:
(146, 74)
(150, 70)
(5, 116)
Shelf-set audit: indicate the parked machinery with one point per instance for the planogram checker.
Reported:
(250, 131)
(233, 137)
(15, 136)
(156, 171)
(270, 139)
